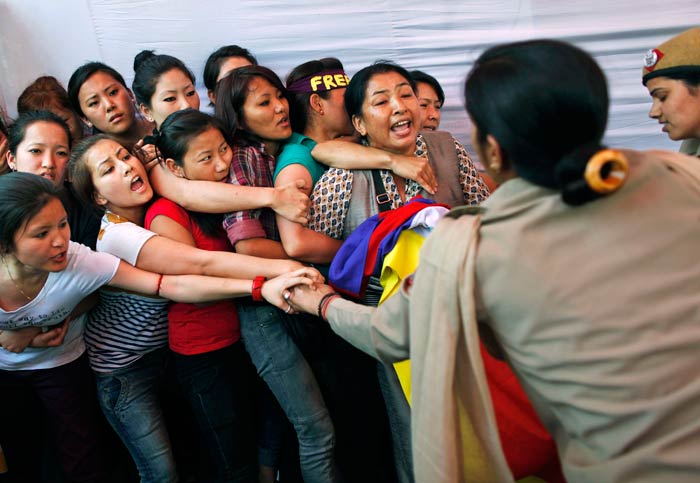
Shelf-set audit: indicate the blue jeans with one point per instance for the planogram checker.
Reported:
(129, 399)
(282, 366)
(399, 413)
(217, 386)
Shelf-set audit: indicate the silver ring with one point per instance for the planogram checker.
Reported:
(289, 309)
(286, 295)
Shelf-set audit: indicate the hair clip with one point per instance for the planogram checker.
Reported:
(606, 171)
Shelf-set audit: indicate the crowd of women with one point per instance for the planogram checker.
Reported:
(163, 275)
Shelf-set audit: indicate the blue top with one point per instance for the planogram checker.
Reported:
(297, 150)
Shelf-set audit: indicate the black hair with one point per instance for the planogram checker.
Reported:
(80, 175)
(546, 103)
(18, 129)
(148, 67)
(231, 94)
(22, 196)
(173, 140)
(690, 79)
(213, 66)
(420, 76)
(299, 101)
(355, 93)
(82, 74)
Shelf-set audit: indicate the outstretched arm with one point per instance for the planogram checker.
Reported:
(382, 332)
(197, 288)
(213, 197)
(348, 155)
(163, 255)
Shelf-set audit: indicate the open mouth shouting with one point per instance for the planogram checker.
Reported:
(137, 183)
(402, 128)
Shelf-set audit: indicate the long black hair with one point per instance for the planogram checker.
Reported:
(212, 68)
(173, 139)
(82, 74)
(231, 93)
(22, 196)
(148, 67)
(356, 91)
(299, 101)
(18, 129)
(546, 103)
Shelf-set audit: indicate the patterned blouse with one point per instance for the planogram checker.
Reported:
(331, 196)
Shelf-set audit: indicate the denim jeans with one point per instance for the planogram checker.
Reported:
(282, 366)
(129, 399)
(399, 413)
(217, 386)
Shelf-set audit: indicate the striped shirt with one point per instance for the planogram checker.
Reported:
(124, 326)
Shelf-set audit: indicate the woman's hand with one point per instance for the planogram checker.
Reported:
(147, 153)
(53, 337)
(305, 298)
(416, 168)
(276, 290)
(292, 202)
(19, 339)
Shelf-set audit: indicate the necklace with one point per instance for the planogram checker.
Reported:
(13, 280)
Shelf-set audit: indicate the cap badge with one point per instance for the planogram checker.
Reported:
(651, 58)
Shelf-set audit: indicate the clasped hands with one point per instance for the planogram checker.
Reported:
(19, 339)
(297, 291)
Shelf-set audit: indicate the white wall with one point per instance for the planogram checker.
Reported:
(442, 37)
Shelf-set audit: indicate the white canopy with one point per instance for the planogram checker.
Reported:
(441, 37)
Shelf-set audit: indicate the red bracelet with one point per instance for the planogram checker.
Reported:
(325, 302)
(256, 291)
(160, 282)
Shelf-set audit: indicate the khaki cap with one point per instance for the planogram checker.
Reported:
(679, 55)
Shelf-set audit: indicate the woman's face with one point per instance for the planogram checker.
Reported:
(429, 105)
(229, 64)
(676, 107)
(44, 151)
(390, 116)
(174, 92)
(119, 178)
(266, 111)
(42, 242)
(208, 157)
(335, 116)
(107, 104)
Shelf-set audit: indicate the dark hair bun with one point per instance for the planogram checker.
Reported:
(142, 57)
(569, 173)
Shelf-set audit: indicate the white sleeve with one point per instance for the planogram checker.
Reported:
(123, 240)
(91, 269)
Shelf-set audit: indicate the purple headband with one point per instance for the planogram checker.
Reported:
(321, 82)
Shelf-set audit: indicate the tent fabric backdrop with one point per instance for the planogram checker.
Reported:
(441, 37)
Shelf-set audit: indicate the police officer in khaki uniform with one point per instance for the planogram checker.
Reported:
(671, 73)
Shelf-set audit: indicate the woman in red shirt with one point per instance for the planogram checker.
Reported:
(209, 360)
